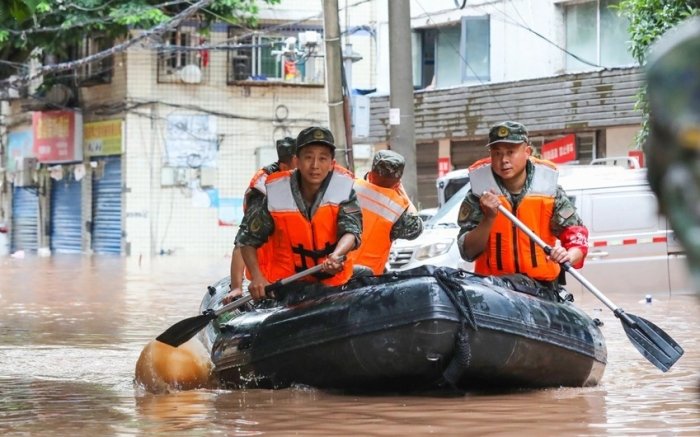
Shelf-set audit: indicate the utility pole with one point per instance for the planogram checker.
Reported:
(334, 88)
(402, 137)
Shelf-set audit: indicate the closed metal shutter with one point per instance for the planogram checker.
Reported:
(25, 216)
(107, 207)
(66, 218)
(465, 153)
(427, 172)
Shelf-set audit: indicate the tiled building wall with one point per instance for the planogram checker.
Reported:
(176, 219)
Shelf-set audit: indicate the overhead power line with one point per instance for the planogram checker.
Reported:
(16, 82)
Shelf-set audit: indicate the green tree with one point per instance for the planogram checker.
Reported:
(57, 25)
(649, 19)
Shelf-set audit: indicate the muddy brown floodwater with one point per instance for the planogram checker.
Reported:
(72, 328)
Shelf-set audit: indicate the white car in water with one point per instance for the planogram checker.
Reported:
(631, 247)
(437, 245)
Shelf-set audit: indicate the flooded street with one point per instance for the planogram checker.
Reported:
(72, 329)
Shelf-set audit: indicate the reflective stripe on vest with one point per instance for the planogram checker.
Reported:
(258, 181)
(298, 243)
(508, 249)
(381, 209)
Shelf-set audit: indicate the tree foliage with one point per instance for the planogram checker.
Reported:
(649, 19)
(57, 25)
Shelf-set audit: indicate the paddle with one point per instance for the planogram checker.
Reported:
(185, 329)
(654, 344)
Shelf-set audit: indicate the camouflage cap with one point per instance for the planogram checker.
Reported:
(286, 148)
(388, 163)
(507, 132)
(315, 135)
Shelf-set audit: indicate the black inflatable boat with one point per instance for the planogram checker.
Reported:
(422, 329)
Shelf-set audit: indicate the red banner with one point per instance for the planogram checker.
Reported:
(637, 154)
(58, 136)
(444, 166)
(561, 150)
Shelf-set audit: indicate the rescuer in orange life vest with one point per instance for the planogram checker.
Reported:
(286, 160)
(310, 216)
(387, 212)
(528, 188)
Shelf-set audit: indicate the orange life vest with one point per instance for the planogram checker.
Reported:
(381, 208)
(257, 182)
(509, 250)
(297, 243)
(264, 251)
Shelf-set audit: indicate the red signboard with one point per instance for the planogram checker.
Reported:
(561, 150)
(444, 166)
(637, 154)
(58, 136)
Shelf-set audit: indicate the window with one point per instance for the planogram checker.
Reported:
(179, 60)
(279, 56)
(454, 55)
(595, 33)
(96, 72)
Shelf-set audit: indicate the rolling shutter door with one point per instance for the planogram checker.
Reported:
(25, 216)
(66, 218)
(465, 153)
(107, 208)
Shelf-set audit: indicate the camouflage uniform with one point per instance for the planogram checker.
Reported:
(257, 224)
(286, 149)
(253, 196)
(673, 146)
(390, 164)
(470, 214)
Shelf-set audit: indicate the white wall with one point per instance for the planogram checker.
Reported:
(516, 52)
(620, 140)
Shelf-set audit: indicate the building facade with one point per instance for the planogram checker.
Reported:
(560, 67)
(164, 137)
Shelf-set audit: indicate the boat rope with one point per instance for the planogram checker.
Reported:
(453, 289)
(462, 354)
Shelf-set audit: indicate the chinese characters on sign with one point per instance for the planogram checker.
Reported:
(561, 150)
(444, 166)
(103, 138)
(58, 136)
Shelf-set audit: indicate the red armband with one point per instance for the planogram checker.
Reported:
(575, 236)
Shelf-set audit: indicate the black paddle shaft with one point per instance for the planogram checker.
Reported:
(653, 343)
(185, 329)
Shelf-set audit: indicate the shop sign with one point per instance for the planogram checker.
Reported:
(561, 150)
(444, 166)
(58, 136)
(103, 138)
(19, 145)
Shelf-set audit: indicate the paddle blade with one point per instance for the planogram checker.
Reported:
(654, 344)
(185, 329)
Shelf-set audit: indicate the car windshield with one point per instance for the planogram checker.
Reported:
(447, 215)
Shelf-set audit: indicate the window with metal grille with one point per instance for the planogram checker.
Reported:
(96, 72)
(180, 59)
(279, 56)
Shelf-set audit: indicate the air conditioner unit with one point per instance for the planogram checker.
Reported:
(309, 38)
(59, 94)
